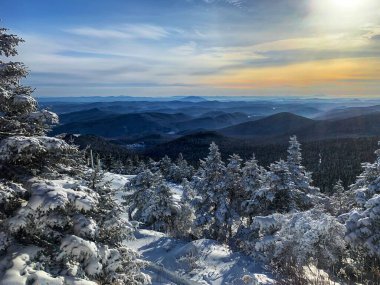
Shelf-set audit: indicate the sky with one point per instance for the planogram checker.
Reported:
(318, 48)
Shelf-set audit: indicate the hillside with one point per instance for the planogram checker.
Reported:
(275, 125)
(114, 126)
(111, 125)
(279, 127)
(83, 116)
(350, 112)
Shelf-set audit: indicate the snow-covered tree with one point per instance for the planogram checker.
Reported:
(62, 229)
(18, 109)
(188, 193)
(161, 209)
(235, 193)
(212, 208)
(342, 201)
(300, 177)
(180, 170)
(152, 203)
(292, 241)
(20, 118)
(253, 178)
(165, 165)
(279, 194)
(363, 231)
(140, 191)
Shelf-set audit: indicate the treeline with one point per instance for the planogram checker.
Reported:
(328, 160)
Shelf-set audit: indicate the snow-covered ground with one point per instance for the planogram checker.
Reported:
(174, 261)
(198, 262)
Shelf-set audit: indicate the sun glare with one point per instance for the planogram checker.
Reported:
(342, 15)
(346, 4)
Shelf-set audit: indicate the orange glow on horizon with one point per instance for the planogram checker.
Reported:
(339, 72)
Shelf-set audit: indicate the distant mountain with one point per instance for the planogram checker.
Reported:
(279, 127)
(275, 125)
(110, 125)
(361, 126)
(116, 126)
(193, 99)
(193, 106)
(212, 123)
(82, 116)
(350, 112)
(194, 146)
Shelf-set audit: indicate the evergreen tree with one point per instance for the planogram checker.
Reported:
(141, 187)
(279, 194)
(161, 210)
(235, 193)
(53, 219)
(363, 231)
(211, 212)
(188, 193)
(19, 114)
(342, 200)
(180, 170)
(165, 166)
(253, 178)
(300, 177)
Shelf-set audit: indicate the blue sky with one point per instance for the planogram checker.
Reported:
(199, 47)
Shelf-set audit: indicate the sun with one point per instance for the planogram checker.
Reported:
(346, 4)
(342, 15)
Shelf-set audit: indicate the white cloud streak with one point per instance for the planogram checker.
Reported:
(128, 31)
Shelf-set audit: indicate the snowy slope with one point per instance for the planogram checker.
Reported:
(202, 261)
(174, 261)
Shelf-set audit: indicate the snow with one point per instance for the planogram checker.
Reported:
(203, 261)
(177, 191)
(20, 147)
(117, 182)
(18, 270)
(51, 195)
(176, 261)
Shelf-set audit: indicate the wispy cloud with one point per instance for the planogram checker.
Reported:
(126, 31)
(237, 3)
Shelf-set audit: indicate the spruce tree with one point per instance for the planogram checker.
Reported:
(363, 231)
(300, 177)
(235, 193)
(212, 209)
(53, 227)
(253, 178)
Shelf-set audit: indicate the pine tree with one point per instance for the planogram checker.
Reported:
(235, 193)
(211, 212)
(342, 200)
(165, 166)
(253, 178)
(188, 193)
(161, 210)
(18, 109)
(279, 194)
(50, 215)
(141, 187)
(180, 170)
(300, 177)
(363, 231)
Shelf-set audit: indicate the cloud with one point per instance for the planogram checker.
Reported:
(237, 3)
(127, 31)
(186, 49)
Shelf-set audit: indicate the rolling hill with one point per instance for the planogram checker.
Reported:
(111, 125)
(279, 127)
